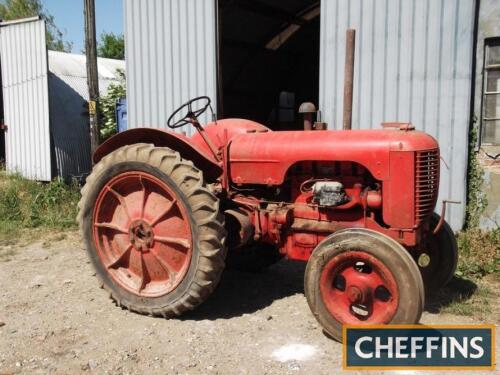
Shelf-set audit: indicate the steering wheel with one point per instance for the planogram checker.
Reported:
(191, 116)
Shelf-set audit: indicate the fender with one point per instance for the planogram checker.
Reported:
(163, 138)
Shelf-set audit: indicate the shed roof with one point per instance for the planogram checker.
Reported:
(74, 65)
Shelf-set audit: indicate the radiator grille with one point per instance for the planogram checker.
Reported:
(426, 183)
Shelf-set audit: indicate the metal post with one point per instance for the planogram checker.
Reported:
(308, 121)
(350, 45)
(92, 73)
(307, 109)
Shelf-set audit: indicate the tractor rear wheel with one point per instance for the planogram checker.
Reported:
(359, 276)
(153, 230)
(438, 261)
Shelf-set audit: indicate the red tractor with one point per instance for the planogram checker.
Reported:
(160, 213)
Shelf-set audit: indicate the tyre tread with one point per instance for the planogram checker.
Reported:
(206, 215)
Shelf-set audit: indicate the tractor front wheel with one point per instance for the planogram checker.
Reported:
(153, 230)
(358, 276)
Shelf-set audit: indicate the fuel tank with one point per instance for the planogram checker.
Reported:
(265, 157)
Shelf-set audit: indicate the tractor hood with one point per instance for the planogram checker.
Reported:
(265, 157)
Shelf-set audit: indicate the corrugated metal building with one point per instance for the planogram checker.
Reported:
(44, 103)
(414, 62)
(487, 107)
(23, 57)
(170, 56)
(68, 97)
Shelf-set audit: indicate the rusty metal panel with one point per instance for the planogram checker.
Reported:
(413, 64)
(26, 100)
(171, 57)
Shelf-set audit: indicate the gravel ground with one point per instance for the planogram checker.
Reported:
(54, 319)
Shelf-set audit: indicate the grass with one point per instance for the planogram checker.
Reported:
(474, 289)
(28, 205)
(475, 303)
(479, 253)
(464, 296)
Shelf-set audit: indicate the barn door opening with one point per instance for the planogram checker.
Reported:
(268, 60)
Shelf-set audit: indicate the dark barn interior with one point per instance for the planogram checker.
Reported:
(269, 59)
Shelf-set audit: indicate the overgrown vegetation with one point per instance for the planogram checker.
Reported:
(108, 105)
(479, 253)
(476, 199)
(474, 289)
(29, 204)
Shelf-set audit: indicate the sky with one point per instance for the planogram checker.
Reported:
(68, 16)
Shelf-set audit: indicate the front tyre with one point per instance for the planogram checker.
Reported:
(153, 230)
(358, 276)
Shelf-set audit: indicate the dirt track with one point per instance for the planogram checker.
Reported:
(56, 320)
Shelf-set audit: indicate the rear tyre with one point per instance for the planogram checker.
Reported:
(153, 230)
(253, 258)
(438, 261)
(359, 276)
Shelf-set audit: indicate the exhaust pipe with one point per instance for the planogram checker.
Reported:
(308, 110)
(350, 45)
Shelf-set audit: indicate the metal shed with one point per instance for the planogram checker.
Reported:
(44, 103)
(413, 63)
(24, 72)
(68, 96)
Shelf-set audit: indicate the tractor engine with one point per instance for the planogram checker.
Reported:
(318, 198)
(299, 214)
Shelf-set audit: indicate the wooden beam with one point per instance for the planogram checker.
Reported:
(92, 73)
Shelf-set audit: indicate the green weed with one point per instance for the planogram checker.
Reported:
(26, 204)
(479, 253)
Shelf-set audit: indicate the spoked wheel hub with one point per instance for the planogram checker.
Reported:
(356, 287)
(142, 233)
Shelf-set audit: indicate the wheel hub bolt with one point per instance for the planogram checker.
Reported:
(354, 294)
(141, 235)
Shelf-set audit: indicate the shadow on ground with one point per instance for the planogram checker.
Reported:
(244, 292)
(458, 290)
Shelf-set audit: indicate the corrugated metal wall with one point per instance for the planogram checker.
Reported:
(26, 101)
(413, 63)
(171, 57)
(69, 124)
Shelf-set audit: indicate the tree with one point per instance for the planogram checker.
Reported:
(16, 9)
(111, 46)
